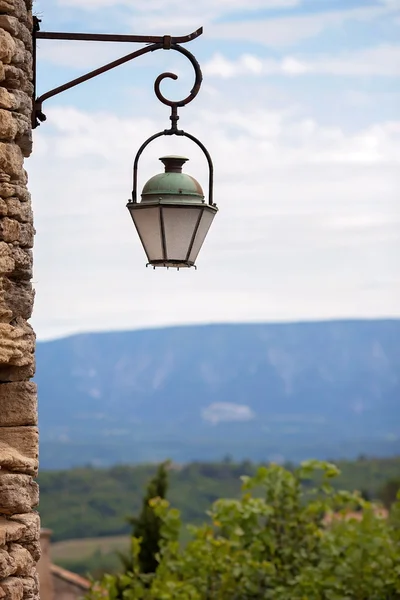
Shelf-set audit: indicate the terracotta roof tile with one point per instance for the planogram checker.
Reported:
(70, 577)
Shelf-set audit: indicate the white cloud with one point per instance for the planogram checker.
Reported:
(169, 5)
(177, 14)
(80, 55)
(155, 16)
(222, 412)
(393, 4)
(307, 175)
(293, 66)
(293, 238)
(379, 61)
(382, 60)
(290, 30)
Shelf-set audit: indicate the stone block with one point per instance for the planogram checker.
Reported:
(15, 373)
(16, 560)
(19, 30)
(13, 588)
(14, 232)
(6, 318)
(24, 34)
(15, 8)
(6, 99)
(23, 262)
(21, 102)
(9, 24)
(10, 230)
(10, 531)
(27, 235)
(18, 404)
(18, 493)
(8, 126)
(18, 297)
(21, 192)
(31, 522)
(23, 123)
(20, 211)
(6, 189)
(14, 461)
(17, 345)
(15, 209)
(34, 548)
(20, 55)
(31, 588)
(11, 161)
(25, 142)
(17, 78)
(23, 561)
(7, 47)
(7, 262)
(22, 178)
(7, 566)
(23, 439)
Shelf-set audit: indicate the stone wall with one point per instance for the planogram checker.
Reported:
(19, 523)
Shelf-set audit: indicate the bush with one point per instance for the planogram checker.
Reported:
(279, 546)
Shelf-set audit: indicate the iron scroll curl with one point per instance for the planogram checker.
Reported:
(195, 89)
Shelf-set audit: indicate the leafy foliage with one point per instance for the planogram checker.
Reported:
(90, 502)
(147, 526)
(274, 545)
(389, 492)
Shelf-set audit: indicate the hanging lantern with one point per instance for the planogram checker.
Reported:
(172, 219)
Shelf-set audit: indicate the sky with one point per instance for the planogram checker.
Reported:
(300, 110)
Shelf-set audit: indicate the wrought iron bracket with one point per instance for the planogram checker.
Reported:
(165, 42)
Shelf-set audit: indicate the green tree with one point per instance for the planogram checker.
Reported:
(147, 526)
(276, 542)
(389, 491)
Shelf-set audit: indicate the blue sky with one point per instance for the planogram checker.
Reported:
(300, 109)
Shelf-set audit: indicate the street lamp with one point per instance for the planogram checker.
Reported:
(172, 219)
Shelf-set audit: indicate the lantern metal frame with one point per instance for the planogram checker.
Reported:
(166, 261)
(173, 130)
(153, 43)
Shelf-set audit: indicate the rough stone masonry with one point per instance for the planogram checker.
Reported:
(19, 523)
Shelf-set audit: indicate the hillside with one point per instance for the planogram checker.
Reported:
(86, 507)
(258, 391)
(91, 502)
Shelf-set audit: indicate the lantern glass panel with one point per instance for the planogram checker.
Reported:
(147, 221)
(205, 223)
(179, 227)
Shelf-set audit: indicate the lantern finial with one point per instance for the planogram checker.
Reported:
(173, 164)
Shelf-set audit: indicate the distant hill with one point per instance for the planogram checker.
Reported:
(259, 391)
(89, 502)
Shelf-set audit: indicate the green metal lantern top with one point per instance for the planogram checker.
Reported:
(173, 185)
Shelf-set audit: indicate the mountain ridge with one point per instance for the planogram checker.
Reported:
(252, 390)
